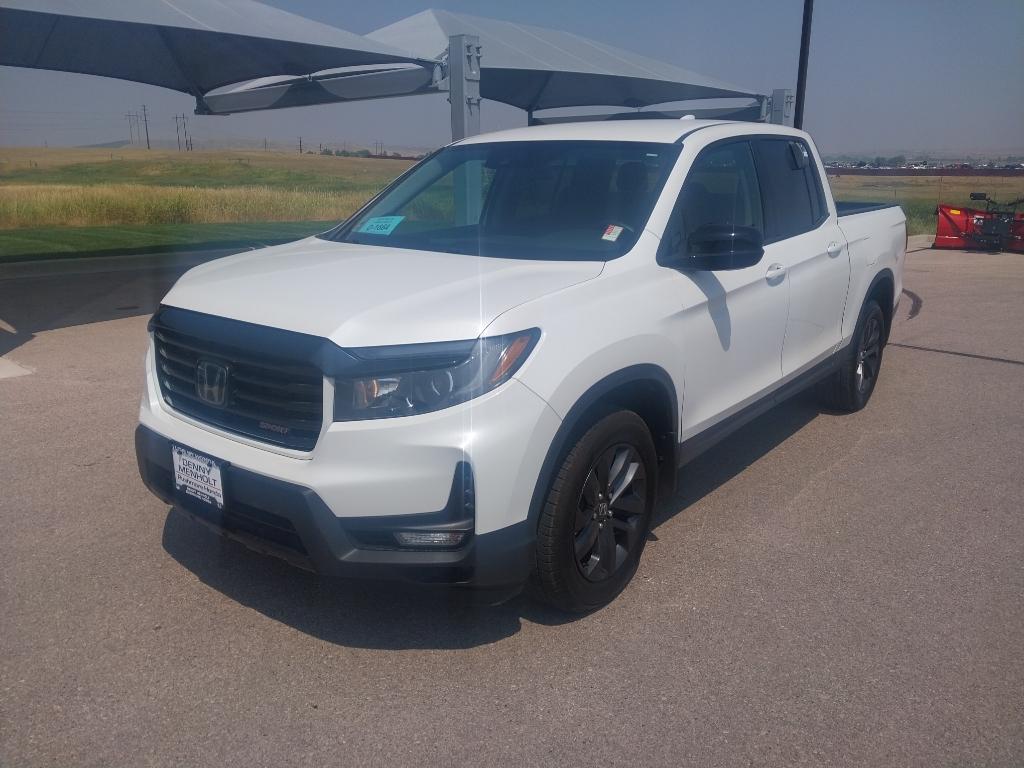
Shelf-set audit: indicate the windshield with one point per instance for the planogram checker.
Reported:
(554, 200)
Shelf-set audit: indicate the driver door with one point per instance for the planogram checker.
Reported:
(731, 323)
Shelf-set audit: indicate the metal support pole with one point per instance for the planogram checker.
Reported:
(464, 85)
(801, 75)
(781, 107)
(464, 95)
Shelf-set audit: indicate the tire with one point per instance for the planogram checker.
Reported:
(850, 388)
(597, 515)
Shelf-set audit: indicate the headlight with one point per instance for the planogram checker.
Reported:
(420, 378)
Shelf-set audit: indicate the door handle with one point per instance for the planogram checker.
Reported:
(834, 249)
(775, 271)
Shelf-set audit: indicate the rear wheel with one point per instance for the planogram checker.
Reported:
(597, 515)
(850, 388)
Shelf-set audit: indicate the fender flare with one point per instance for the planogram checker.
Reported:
(575, 420)
(882, 275)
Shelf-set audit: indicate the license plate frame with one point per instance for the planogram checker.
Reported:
(198, 476)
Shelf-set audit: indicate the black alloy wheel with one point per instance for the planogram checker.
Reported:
(597, 513)
(869, 353)
(850, 387)
(610, 512)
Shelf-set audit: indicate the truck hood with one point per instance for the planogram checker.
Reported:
(358, 295)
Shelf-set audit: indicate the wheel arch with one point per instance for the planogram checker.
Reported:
(646, 389)
(882, 289)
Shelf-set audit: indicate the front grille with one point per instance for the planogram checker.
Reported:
(273, 400)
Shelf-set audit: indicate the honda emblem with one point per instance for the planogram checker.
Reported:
(212, 383)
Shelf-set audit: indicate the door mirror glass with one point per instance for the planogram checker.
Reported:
(722, 246)
(979, 196)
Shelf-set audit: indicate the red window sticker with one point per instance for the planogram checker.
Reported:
(611, 233)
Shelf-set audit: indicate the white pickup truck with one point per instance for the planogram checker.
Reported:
(489, 373)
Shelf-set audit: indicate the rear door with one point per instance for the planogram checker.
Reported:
(804, 239)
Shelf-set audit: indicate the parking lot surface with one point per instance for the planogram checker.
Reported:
(823, 590)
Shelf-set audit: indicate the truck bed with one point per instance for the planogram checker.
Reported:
(855, 207)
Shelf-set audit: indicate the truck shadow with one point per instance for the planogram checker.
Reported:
(729, 458)
(396, 616)
(73, 292)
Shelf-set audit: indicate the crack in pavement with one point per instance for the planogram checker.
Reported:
(989, 358)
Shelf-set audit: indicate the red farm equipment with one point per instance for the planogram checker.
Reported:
(997, 228)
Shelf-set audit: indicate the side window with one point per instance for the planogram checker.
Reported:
(793, 198)
(818, 205)
(720, 189)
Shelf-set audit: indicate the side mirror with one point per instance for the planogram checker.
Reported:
(979, 196)
(721, 246)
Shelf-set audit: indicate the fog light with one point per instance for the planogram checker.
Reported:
(430, 538)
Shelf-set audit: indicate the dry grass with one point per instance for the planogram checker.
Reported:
(67, 205)
(14, 160)
(919, 194)
(94, 187)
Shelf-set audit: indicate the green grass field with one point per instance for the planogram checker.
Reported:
(66, 202)
(62, 202)
(918, 195)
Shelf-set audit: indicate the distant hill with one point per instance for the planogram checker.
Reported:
(105, 145)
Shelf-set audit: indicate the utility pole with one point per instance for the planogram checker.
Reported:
(184, 128)
(145, 121)
(801, 73)
(131, 135)
(300, 145)
(177, 133)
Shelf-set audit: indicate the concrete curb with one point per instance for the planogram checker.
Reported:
(917, 242)
(93, 264)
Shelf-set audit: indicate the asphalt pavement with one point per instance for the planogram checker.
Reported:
(825, 589)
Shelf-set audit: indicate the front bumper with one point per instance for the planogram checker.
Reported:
(293, 523)
(373, 475)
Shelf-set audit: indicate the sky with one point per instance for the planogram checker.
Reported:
(885, 76)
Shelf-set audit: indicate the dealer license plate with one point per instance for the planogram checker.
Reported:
(197, 475)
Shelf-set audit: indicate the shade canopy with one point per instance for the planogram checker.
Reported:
(537, 68)
(193, 46)
(241, 55)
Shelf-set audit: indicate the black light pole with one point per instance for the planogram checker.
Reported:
(801, 75)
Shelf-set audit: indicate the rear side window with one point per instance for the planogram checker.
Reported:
(793, 199)
(817, 190)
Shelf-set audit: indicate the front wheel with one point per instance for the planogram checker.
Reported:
(597, 515)
(850, 388)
